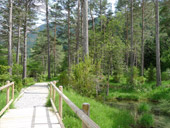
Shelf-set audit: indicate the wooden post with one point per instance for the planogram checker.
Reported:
(51, 91)
(60, 102)
(13, 91)
(86, 110)
(54, 92)
(7, 93)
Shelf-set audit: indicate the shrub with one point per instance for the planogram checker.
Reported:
(128, 97)
(83, 78)
(150, 74)
(146, 120)
(123, 120)
(159, 94)
(143, 108)
(63, 78)
(28, 81)
(166, 75)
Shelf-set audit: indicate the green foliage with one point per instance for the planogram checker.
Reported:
(127, 97)
(146, 120)
(83, 77)
(144, 108)
(166, 75)
(3, 69)
(28, 81)
(123, 119)
(164, 107)
(150, 74)
(63, 78)
(159, 94)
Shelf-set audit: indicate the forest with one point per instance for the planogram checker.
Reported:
(117, 60)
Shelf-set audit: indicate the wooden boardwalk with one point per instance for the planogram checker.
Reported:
(30, 111)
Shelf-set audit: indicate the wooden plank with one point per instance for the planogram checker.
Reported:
(61, 103)
(86, 120)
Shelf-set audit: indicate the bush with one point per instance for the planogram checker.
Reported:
(128, 97)
(28, 81)
(160, 93)
(137, 80)
(83, 78)
(150, 74)
(144, 108)
(63, 78)
(123, 120)
(146, 120)
(166, 75)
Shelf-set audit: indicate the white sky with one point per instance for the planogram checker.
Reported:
(42, 16)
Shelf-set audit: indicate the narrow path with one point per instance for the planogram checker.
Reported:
(35, 95)
(30, 110)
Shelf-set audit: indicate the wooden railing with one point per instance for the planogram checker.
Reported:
(8, 101)
(82, 114)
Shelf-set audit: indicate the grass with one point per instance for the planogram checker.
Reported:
(103, 115)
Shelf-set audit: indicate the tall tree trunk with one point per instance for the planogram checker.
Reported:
(48, 40)
(77, 35)
(85, 29)
(54, 47)
(101, 15)
(142, 45)
(10, 37)
(132, 55)
(19, 39)
(158, 65)
(69, 51)
(94, 36)
(25, 42)
(127, 38)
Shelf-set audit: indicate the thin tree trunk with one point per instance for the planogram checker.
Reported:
(10, 38)
(25, 42)
(77, 35)
(132, 55)
(19, 39)
(101, 15)
(94, 36)
(69, 51)
(158, 65)
(85, 29)
(54, 48)
(142, 45)
(127, 51)
(48, 40)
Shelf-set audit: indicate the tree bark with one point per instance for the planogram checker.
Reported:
(48, 40)
(69, 51)
(85, 29)
(77, 35)
(127, 51)
(25, 42)
(142, 45)
(158, 65)
(10, 37)
(132, 55)
(19, 39)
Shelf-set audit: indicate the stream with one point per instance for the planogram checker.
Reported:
(160, 120)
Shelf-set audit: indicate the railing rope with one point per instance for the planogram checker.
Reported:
(87, 122)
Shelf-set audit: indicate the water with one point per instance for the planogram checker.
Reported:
(160, 120)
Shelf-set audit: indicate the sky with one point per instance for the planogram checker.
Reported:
(40, 22)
